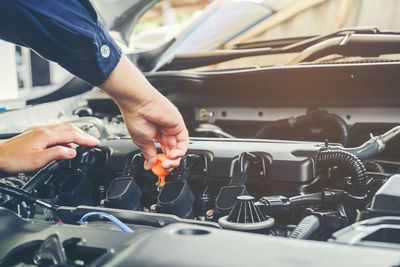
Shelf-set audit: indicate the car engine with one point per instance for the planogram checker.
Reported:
(89, 210)
(288, 165)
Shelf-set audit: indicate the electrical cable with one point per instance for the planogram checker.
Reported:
(110, 217)
(23, 195)
(43, 174)
(345, 160)
(309, 199)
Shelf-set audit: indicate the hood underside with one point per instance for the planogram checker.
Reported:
(122, 15)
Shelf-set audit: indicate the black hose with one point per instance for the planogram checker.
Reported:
(43, 174)
(263, 132)
(308, 199)
(306, 227)
(299, 121)
(281, 124)
(84, 158)
(22, 195)
(344, 160)
(340, 123)
(17, 193)
(373, 166)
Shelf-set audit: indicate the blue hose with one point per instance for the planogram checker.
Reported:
(110, 217)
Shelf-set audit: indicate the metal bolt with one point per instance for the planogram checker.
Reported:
(209, 213)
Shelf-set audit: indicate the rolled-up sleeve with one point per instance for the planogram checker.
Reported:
(64, 31)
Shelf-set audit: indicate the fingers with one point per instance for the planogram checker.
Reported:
(68, 145)
(57, 152)
(182, 143)
(38, 146)
(169, 164)
(159, 120)
(73, 137)
(57, 142)
(68, 133)
(150, 154)
(175, 148)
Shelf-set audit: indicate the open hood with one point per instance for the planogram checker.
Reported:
(122, 15)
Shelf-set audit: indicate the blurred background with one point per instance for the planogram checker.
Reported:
(207, 25)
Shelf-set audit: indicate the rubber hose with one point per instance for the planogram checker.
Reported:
(16, 192)
(308, 199)
(345, 160)
(341, 124)
(43, 174)
(373, 166)
(263, 132)
(306, 227)
(292, 122)
(303, 120)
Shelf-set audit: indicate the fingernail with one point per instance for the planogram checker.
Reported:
(71, 153)
(146, 165)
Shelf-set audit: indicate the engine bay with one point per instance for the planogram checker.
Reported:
(293, 157)
(67, 212)
(286, 171)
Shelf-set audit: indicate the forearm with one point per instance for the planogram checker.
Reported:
(128, 86)
(148, 115)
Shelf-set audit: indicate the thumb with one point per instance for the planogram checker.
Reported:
(53, 153)
(150, 154)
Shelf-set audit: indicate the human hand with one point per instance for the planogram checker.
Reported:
(148, 115)
(38, 146)
(159, 119)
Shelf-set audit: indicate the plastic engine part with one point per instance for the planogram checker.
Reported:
(245, 216)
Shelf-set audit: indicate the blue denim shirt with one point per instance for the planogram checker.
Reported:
(65, 31)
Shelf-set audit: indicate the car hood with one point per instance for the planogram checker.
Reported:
(122, 15)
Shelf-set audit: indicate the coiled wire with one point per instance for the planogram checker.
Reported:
(373, 166)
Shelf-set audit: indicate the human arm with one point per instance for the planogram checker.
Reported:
(69, 33)
(148, 115)
(38, 146)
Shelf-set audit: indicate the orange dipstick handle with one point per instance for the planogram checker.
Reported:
(160, 171)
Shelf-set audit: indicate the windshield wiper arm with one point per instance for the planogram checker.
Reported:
(363, 45)
(188, 61)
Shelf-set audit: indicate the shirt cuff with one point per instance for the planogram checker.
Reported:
(94, 58)
(107, 54)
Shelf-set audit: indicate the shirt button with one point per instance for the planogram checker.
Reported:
(105, 51)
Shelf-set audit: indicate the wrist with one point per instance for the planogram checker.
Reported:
(134, 101)
(128, 87)
(3, 156)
